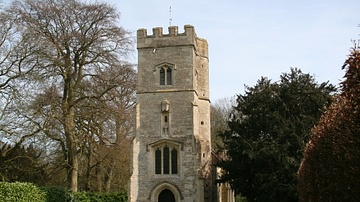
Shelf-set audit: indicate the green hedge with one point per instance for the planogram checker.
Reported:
(27, 192)
(21, 192)
(57, 194)
(99, 197)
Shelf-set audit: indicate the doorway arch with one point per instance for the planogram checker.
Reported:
(165, 190)
(166, 196)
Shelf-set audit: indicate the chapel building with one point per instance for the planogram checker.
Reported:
(171, 148)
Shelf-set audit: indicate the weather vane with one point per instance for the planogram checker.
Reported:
(170, 18)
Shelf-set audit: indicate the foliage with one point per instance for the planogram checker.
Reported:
(57, 194)
(267, 133)
(23, 164)
(219, 116)
(65, 82)
(330, 170)
(240, 198)
(100, 197)
(27, 192)
(20, 192)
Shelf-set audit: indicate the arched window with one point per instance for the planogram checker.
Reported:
(174, 162)
(158, 161)
(166, 160)
(169, 76)
(162, 76)
(166, 75)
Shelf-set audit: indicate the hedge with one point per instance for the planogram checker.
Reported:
(21, 192)
(99, 197)
(27, 192)
(330, 170)
(57, 194)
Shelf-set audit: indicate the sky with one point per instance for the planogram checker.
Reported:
(255, 38)
(251, 39)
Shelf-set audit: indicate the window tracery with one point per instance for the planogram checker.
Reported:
(166, 74)
(166, 160)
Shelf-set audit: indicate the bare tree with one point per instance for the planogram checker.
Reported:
(16, 51)
(105, 127)
(74, 43)
(220, 114)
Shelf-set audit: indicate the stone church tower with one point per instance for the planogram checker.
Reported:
(172, 143)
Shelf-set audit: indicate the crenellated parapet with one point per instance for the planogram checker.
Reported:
(173, 31)
(172, 143)
(159, 39)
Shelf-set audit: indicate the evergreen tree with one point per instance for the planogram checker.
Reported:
(267, 134)
(22, 164)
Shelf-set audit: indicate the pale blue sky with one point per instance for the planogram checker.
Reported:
(254, 38)
(250, 39)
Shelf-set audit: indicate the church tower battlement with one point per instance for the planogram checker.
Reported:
(172, 143)
(174, 49)
(158, 38)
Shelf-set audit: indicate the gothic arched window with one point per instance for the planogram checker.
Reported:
(162, 76)
(166, 74)
(169, 76)
(158, 161)
(166, 160)
(174, 163)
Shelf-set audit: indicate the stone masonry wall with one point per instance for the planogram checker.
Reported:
(188, 127)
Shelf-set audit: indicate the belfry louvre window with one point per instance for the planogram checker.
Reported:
(169, 76)
(166, 75)
(162, 76)
(166, 160)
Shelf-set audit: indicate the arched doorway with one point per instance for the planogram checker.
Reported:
(165, 191)
(166, 196)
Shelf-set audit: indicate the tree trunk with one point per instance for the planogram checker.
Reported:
(109, 175)
(88, 169)
(99, 177)
(73, 163)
